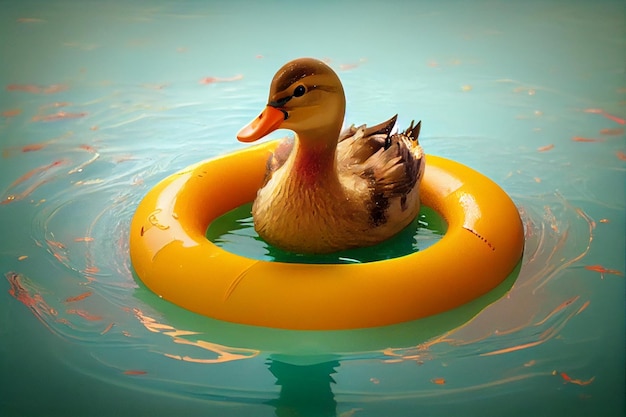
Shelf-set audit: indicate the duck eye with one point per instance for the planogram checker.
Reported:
(299, 91)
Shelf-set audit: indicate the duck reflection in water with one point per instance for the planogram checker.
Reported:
(305, 389)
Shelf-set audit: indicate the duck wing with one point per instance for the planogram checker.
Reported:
(357, 144)
(390, 164)
(396, 168)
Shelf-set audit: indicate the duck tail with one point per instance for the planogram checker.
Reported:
(413, 132)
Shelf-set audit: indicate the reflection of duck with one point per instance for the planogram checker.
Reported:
(305, 390)
(328, 191)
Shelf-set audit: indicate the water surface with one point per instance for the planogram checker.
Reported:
(100, 101)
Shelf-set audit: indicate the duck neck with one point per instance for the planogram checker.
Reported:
(314, 159)
(314, 162)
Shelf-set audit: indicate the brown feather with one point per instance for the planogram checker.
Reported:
(392, 171)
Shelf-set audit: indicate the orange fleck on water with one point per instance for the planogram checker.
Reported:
(212, 80)
(569, 379)
(581, 382)
(28, 88)
(374, 380)
(585, 140)
(84, 239)
(612, 132)
(537, 180)
(55, 244)
(35, 171)
(18, 290)
(78, 297)
(108, 328)
(545, 148)
(602, 270)
(530, 363)
(604, 221)
(11, 113)
(607, 115)
(88, 148)
(34, 147)
(16, 197)
(621, 155)
(92, 270)
(583, 307)
(61, 115)
(89, 279)
(21, 258)
(134, 372)
(84, 314)
(30, 20)
(614, 118)
(60, 257)
(35, 89)
(438, 381)
(22, 290)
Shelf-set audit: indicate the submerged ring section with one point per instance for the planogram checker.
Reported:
(172, 256)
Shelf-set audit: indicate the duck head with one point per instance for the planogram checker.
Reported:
(306, 96)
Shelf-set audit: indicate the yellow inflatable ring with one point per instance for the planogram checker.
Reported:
(172, 256)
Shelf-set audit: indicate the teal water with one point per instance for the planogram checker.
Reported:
(101, 100)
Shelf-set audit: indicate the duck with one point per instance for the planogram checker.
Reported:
(328, 189)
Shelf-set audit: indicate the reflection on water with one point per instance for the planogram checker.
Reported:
(221, 353)
(104, 114)
(305, 390)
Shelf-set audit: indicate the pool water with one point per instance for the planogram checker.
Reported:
(101, 100)
(234, 232)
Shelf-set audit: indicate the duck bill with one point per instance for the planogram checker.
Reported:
(268, 121)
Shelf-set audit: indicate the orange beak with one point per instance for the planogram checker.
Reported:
(268, 121)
